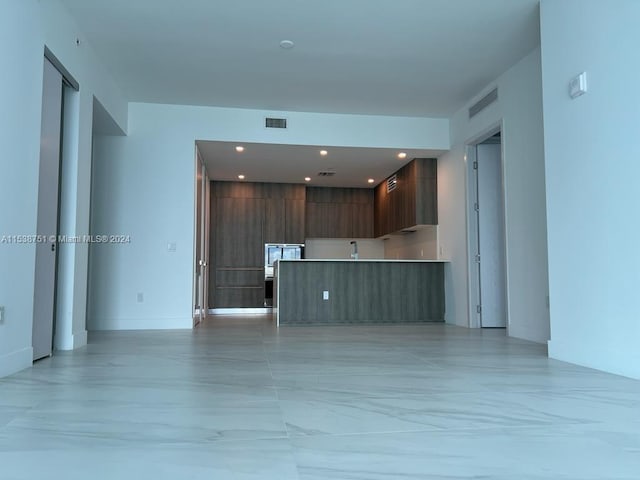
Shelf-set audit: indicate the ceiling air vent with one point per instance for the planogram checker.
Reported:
(326, 173)
(275, 122)
(483, 103)
(392, 183)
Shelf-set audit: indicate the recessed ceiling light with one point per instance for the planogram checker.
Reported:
(286, 44)
(239, 149)
(307, 179)
(241, 177)
(324, 153)
(371, 180)
(402, 155)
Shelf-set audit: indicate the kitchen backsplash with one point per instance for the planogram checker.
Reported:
(421, 244)
(330, 248)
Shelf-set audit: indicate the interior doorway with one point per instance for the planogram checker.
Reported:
(488, 272)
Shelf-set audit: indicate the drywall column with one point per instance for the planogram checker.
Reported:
(592, 165)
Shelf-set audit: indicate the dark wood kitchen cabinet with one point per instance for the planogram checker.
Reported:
(284, 220)
(236, 263)
(413, 202)
(294, 213)
(274, 226)
(339, 212)
(245, 216)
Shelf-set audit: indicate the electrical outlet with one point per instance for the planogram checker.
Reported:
(1, 315)
(325, 294)
(140, 297)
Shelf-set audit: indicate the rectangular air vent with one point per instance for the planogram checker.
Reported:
(275, 122)
(483, 103)
(327, 173)
(392, 183)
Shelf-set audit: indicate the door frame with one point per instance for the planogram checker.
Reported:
(201, 240)
(48, 212)
(473, 271)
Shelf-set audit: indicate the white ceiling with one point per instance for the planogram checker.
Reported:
(381, 57)
(292, 163)
(386, 57)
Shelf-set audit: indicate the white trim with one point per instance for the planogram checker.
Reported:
(80, 339)
(607, 359)
(15, 361)
(152, 323)
(240, 311)
(196, 220)
(70, 342)
(470, 156)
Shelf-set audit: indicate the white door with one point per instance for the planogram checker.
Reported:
(201, 242)
(198, 242)
(491, 239)
(204, 272)
(46, 252)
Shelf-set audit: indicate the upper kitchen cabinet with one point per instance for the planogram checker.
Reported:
(284, 213)
(339, 212)
(410, 200)
(294, 212)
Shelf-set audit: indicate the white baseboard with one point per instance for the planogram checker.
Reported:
(240, 311)
(603, 358)
(16, 361)
(79, 339)
(70, 342)
(102, 324)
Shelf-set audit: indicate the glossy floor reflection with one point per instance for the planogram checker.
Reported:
(238, 399)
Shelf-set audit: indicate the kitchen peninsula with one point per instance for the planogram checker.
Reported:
(358, 291)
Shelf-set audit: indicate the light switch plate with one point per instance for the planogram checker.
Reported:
(578, 85)
(325, 295)
(1, 315)
(171, 247)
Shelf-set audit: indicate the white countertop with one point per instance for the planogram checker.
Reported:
(390, 260)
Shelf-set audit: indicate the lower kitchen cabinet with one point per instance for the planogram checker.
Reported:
(239, 297)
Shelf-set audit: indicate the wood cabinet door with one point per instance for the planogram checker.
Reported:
(294, 218)
(427, 192)
(239, 232)
(329, 220)
(362, 224)
(275, 220)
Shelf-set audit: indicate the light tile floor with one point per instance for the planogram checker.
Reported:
(237, 399)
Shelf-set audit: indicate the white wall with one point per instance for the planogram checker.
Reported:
(26, 26)
(519, 108)
(592, 160)
(145, 189)
(421, 244)
(328, 248)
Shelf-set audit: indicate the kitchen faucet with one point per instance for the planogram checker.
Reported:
(354, 252)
